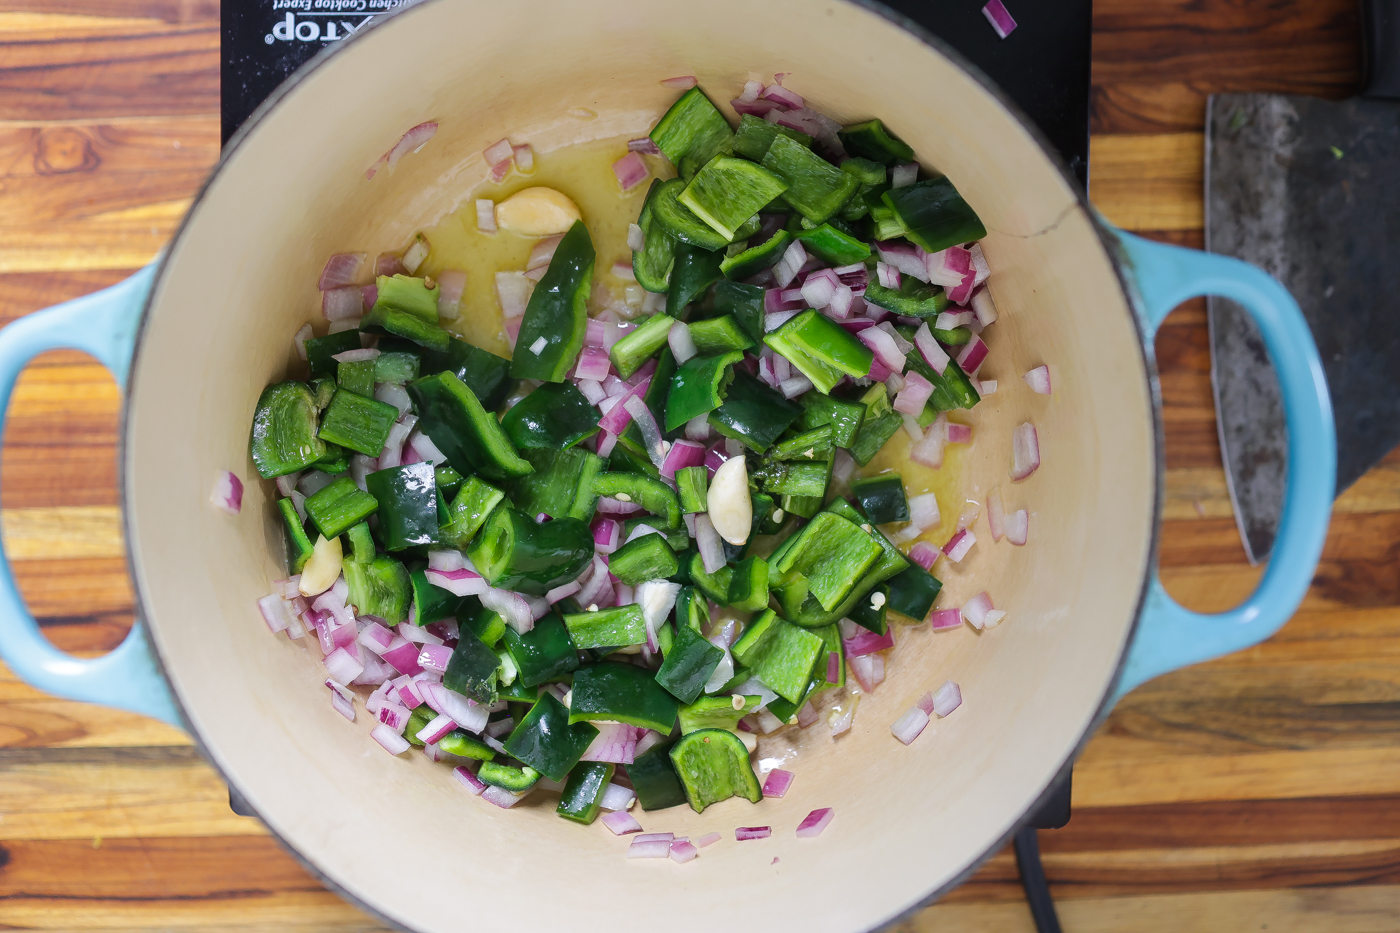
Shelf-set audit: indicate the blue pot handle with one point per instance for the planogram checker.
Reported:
(103, 324)
(1169, 637)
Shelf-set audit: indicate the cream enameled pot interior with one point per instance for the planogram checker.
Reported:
(240, 279)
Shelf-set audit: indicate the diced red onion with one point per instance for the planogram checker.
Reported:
(907, 727)
(865, 642)
(757, 108)
(486, 215)
(645, 146)
(616, 797)
(471, 782)
(813, 823)
(411, 141)
(343, 666)
(682, 851)
(941, 619)
(228, 493)
(745, 833)
(841, 302)
(1018, 527)
(975, 609)
(620, 822)
(683, 83)
(794, 385)
(946, 699)
(782, 299)
(617, 420)
(416, 634)
(1025, 449)
(1039, 380)
(356, 356)
(434, 658)
(591, 390)
(651, 432)
(458, 582)
(783, 97)
(904, 175)
(593, 364)
(983, 306)
(884, 348)
(451, 283)
(524, 158)
(932, 352)
(951, 319)
(299, 339)
(777, 783)
(434, 731)
(341, 303)
(751, 91)
(512, 608)
(862, 669)
(958, 545)
(925, 554)
(914, 395)
(905, 257)
(389, 264)
(513, 292)
(501, 797)
(776, 319)
(715, 457)
(606, 534)
(343, 706)
(276, 615)
(498, 152)
(887, 274)
(630, 171)
(607, 505)
(948, 267)
(539, 607)
(562, 592)
(376, 638)
(393, 743)
(708, 839)
(708, 542)
(929, 451)
(340, 269)
(996, 514)
(615, 742)
(982, 271)
(994, 618)
(649, 739)
(819, 288)
(972, 355)
(959, 433)
(681, 455)
(652, 848)
(1001, 21)
(682, 343)
(623, 270)
(345, 693)
(402, 655)
(698, 429)
(793, 258)
(987, 387)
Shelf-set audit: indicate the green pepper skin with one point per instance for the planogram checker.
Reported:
(557, 312)
(713, 765)
(912, 299)
(692, 127)
(744, 302)
(471, 437)
(486, 374)
(748, 588)
(473, 504)
(561, 486)
(641, 559)
(380, 587)
(834, 246)
(716, 712)
(486, 624)
(934, 215)
(640, 344)
(890, 562)
(471, 671)
(338, 506)
(607, 628)
(832, 553)
(677, 220)
(689, 663)
(845, 418)
(397, 367)
(755, 135)
(544, 653)
(515, 780)
(817, 188)
(463, 744)
(912, 592)
(692, 609)
(654, 778)
(816, 444)
(821, 349)
(514, 552)
(417, 719)
(867, 614)
(695, 270)
(284, 437)
(433, 603)
(693, 485)
(882, 498)
(755, 259)
(321, 351)
(357, 377)
(358, 422)
(714, 585)
(719, 335)
(698, 387)
(384, 320)
(407, 497)
(549, 740)
(407, 294)
(652, 264)
(753, 414)
(873, 140)
(726, 192)
(299, 546)
(555, 416)
(583, 791)
(621, 693)
(651, 494)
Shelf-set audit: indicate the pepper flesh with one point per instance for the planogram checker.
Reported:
(555, 416)
(934, 215)
(648, 557)
(557, 312)
(621, 693)
(284, 436)
(713, 765)
(821, 349)
(379, 588)
(486, 374)
(515, 552)
(689, 663)
(583, 791)
(471, 671)
(617, 627)
(654, 778)
(407, 497)
(753, 413)
(651, 494)
(358, 422)
(640, 344)
(561, 486)
(698, 387)
(549, 740)
(471, 437)
(338, 505)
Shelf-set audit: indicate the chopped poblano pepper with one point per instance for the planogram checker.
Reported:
(693, 484)
(727, 191)
(755, 259)
(753, 414)
(284, 438)
(617, 627)
(719, 335)
(448, 480)
(781, 655)
(755, 135)
(793, 477)
(952, 382)
(549, 740)
(621, 693)
(515, 780)
(544, 653)
(561, 486)
(693, 127)
(714, 585)
(880, 424)
(748, 587)
(845, 418)
(471, 671)
(651, 494)
(299, 546)
(463, 744)
(882, 498)
(692, 610)
(324, 390)
(555, 416)
(872, 140)
(698, 387)
(934, 215)
(654, 778)
(486, 374)
(379, 588)
(471, 437)
(357, 377)
(912, 592)
(834, 246)
(335, 461)
(358, 422)
(557, 312)
(821, 349)
(641, 559)
(886, 222)
(640, 344)
(695, 270)
(679, 222)
(801, 506)
(514, 552)
(473, 504)
(407, 497)
(583, 791)
(490, 627)
(321, 351)
(912, 299)
(337, 506)
(765, 507)
(715, 712)
(407, 294)
(653, 262)
(690, 662)
(743, 302)
(870, 611)
(433, 603)
(815, 444)
(405, 324)
(832, 553)
(396, 367)
(417, 719)
(890, 562)
(815, 187)
(713, 765)
(362, 546)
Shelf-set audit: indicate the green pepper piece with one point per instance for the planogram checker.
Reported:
(753, 414)
(816, 444)
(713, 765)
(555, 416)
(750, 646)
(764, 508)
(748, 588)
(652, 264)
(432, 603)
(284, 438)
(743, 302)
(358, 422)
(473, 504)
(869, 171)
(514, 552)
(324, 390)
(834, 246)
(641, 559)
(727, 191)
(802, 506)
(822, 349)
(362, 546)
(449, 481)
(693, 484)
(677, 538)
(891, 561)
(880, 424)
(407, 497)
(815, 187)
(719, 335)
(557, 312)
(912, 299)
(624, 459)
(698, 387)
(463, 744)
(640, 344)
(515, 780)
(870, 611)
(380, 588)
(782, 655)
(832, 553)
(714, 585)
(695, 270)
(755, 259)
(794, 478)
(692, 127)
(471, 671)
(651, 494)
(357, 377)
(886, 222)
(336, 460)
(489, 626)
(561, 486)
(544, 653)
(486, 374)
(405, 324)
(321, 351)
(844, 418)
(617, 627)
(621, 693)
(583, 791)
(692, 610)
(396, 367)
(830, 635)
(715, 712)
(872, 140)
(338, 505)
(912, 592)
(417, 719)
(882, 498)
(299, 546)
(679, 222)
(689, 663)
(471, 437)
(934, 215)
(654, 778)
(755, 135)
(407, 294)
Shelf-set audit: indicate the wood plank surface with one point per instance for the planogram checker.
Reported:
(1258, 791)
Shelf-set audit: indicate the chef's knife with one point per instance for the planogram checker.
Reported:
(1309, 190)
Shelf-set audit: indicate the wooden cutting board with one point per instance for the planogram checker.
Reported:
(1259, 791)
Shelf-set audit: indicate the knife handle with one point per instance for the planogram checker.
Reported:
(1380, 49)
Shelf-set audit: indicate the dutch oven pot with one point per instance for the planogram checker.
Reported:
(196, 336)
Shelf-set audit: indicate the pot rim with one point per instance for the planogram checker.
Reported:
(1111, 248)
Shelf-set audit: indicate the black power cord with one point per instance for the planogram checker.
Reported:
(1053, 813)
